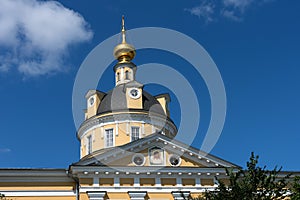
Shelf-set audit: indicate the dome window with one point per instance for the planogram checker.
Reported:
(127, 75)
(118, 76)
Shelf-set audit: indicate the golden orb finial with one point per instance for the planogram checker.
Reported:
(124, 52)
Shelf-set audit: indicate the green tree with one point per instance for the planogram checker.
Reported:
(255, 183)
(295, 189)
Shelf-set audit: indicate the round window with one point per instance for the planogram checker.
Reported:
(91, 101)
(134, 93)
(174, 160)
(138, 159)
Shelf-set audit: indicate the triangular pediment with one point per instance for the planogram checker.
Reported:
(153, 151)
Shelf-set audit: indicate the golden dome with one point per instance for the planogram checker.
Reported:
(124, 51)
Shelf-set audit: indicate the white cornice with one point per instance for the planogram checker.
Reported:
(155, 189)
(37, 193)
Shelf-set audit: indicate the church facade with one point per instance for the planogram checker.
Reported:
(127, 150)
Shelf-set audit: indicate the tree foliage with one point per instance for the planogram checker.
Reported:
(2, 197)
(255, 183)
(295, 189)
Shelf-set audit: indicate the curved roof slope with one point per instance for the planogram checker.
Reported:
(115, 100)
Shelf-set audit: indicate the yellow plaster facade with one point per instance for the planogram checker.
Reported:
(122, 134)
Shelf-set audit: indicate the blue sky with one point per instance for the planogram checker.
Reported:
(255, 45)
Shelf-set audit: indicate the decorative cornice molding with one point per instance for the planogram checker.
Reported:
(145, 171)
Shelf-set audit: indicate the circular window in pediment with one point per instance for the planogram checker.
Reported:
(138, 159)
(174, 160)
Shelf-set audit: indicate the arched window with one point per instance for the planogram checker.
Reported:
(118, 76)
(126, 74)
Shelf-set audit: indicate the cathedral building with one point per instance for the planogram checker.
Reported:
(128, 150)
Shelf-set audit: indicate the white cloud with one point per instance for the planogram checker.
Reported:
(230, 9)
(230, 14)
(204, 11)
(241, 5)
(235, 9)
(35, 35)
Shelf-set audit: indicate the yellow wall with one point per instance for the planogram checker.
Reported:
(122, 137)
(162, 101)
(162, 196)
(83, 196)
(125, 196)
(119, 196)
(134, 103)
(92, 110)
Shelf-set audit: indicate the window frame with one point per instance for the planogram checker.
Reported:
(118, 76)
(127, 74)
(89, 148)
(106, 138)
(131, 133)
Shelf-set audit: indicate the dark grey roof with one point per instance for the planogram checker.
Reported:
(115, 100)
